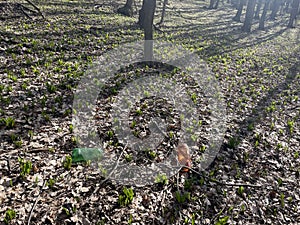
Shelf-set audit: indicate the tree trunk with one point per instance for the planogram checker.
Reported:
(275, 8)
(294, 12)
(249, 16)
(239, 12)
(211, 4)
(258, 7)
(146, 17)
(217, 4)
(235, 3)
(126, 9)
(263, 16)
(287, 5)
(163, 12)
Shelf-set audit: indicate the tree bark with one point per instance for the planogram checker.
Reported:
(258, 7)
(211, 4)
(263, 16)
(239, 12)
(126, 9)
(275, 8)
(235, 3)
(287, 5)
(146, 17)
(294, 12)
(249, 16)
(217, 4)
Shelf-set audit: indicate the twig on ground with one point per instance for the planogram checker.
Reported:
(35, 150)
(177, 181)
(8, 166)
(35, 203)
(218, 214)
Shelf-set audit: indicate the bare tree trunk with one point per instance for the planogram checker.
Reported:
(126, 9)
(258, 7)
(275, 8)
(263, 16)
(146, 17)
(235, 3)
(249, 16)
(239, 12)
(211, 4)
(163, 12)
(217, 4)
(287, 5)
(294, 12)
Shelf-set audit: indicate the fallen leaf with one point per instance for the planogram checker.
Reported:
(184, 157)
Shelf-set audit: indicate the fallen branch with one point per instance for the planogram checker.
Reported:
(35, 150)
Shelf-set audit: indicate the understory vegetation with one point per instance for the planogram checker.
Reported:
(254, 178)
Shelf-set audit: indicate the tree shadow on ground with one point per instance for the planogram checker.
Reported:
(259, 112)
(225, 40)
(174, 211)
(225, 33)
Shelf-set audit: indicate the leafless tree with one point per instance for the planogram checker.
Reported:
(249, 16)
(294, 12)
(127, 8)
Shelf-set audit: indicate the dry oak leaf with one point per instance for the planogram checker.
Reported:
(184, 157)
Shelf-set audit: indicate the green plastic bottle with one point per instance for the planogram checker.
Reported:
(86, 154)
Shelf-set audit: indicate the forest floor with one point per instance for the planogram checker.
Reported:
(41, 64)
